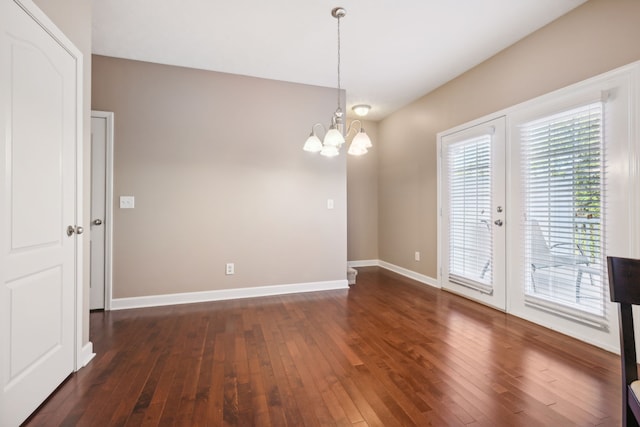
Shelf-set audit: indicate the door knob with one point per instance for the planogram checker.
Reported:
(97, 222)
(498, 222)
(74, 229)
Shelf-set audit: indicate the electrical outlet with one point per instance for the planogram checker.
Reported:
(230, 269)
(417, 256)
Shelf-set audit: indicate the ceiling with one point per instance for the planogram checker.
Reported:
(392, 52)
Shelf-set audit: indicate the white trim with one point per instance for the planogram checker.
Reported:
(79, 214)
(410, 274)
(439, 196)
(396, 269)
(634, 163)
(108, 219)
(364, 263)
(225, 294)
(87, 354)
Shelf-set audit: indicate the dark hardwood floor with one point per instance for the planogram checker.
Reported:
(387, 352)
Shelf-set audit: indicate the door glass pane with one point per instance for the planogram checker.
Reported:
(562, 166)
(470, 240)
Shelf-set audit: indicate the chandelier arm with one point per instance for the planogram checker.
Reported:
(324, 129)
(352, 128)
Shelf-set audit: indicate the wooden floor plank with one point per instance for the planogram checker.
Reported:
(386, 352)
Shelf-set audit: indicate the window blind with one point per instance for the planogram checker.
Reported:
(562, 164)
(469, 190)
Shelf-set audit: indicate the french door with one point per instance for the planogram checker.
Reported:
(552, 223)
(533, 201)
(473, 212)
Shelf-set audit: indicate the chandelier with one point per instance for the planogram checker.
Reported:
(334, 138)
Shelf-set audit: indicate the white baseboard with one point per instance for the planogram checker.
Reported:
(225, 294)
(87, 354)
(410, 274)
(396, 269)
(364, 263)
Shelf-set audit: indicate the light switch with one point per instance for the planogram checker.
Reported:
(329, 203)
(127, 202)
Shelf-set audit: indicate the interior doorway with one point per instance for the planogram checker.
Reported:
(101, 208)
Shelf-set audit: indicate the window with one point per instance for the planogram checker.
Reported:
(469, 166)
(562, 165)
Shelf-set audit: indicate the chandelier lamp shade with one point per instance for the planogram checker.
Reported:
(333, 140)
(361, 141)
(334, 137)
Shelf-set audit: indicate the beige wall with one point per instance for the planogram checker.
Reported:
(73, 17)
(362, 199)
(216, 165)
(596, 37)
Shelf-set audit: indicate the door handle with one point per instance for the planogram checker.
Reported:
(498, 222)
(97, 222)
(74, 229)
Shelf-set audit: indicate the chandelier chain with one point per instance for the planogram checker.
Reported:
(339, 88)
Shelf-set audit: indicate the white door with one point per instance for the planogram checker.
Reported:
(39, 131)
(101, 145)
(473, 212)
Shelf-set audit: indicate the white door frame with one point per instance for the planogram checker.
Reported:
(108, 219)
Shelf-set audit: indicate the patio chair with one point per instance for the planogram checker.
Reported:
(545, 256)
